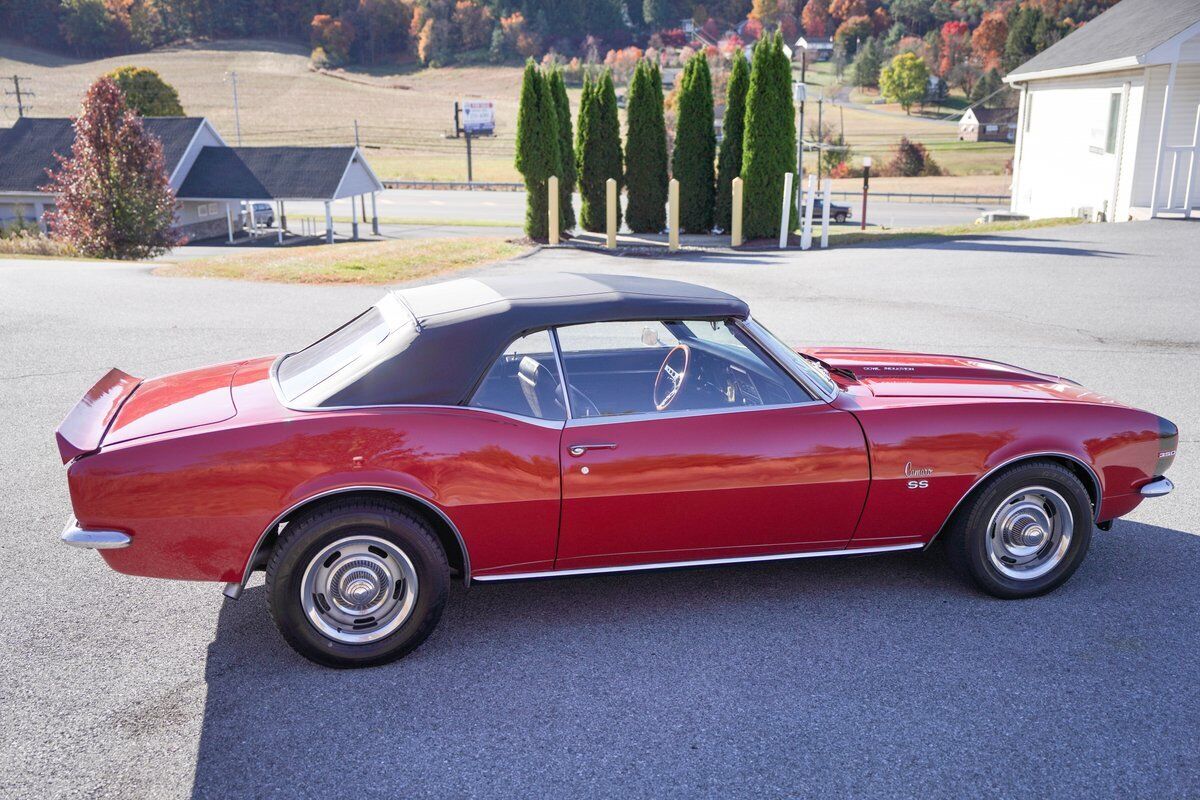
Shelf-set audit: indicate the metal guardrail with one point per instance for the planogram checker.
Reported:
(479, 186)
(930, 197)
(909, 197)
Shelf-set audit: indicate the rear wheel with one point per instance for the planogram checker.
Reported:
(1024, 533)
(357, 583)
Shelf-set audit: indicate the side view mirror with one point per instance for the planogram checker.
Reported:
(650, 337)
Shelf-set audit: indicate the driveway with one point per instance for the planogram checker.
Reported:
(875, 676)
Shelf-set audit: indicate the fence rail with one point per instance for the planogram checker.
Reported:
(895, 197)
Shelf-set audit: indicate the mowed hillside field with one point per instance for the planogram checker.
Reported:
(406, 112)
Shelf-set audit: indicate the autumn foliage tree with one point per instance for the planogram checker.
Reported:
(114, 197)
(987, 41)
(815, 18)
(333, 35)
(905, 80)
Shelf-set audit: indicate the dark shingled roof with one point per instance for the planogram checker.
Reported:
(266, 173)
(1131, 28)
(27, 148)
(995, 115)
(464, 325)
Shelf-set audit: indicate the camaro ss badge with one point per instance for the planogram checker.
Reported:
(917, 472)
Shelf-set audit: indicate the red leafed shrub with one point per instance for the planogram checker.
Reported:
(114, 198)
(674, 37)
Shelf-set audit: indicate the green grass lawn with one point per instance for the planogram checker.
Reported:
(360, 262)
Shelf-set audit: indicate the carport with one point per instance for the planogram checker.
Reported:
(282, 174)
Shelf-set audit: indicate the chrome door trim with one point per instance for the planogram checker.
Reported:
(704, 562)
(579, 449)
(562, 371)
(1026, 457)
(246, 571)
(698, 412)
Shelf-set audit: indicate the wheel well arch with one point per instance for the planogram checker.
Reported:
(441, 524)
(1087, 476)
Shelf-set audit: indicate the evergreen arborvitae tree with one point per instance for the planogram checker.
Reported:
(537, 148)
(729, 164)
(598, 150)
(769, 149)
(695, 148)
(646, 152)
(566, 171)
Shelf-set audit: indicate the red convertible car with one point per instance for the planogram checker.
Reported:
(528, 427)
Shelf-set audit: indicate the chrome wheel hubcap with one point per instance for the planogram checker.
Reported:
(1030, 533)
(359, 589)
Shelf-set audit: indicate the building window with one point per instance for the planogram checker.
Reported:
(1114, 119)
(993, 128)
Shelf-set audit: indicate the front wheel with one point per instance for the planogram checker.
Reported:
(1024, 533)
(357, 583)
(839, 218)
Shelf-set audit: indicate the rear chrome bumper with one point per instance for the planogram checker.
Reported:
(76, 536)
(1158, 487)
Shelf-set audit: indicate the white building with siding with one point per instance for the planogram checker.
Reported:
(1109, 117)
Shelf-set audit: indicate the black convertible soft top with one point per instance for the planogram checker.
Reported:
(450, 333)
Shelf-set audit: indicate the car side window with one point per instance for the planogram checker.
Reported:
(523, 380)
(660, 366)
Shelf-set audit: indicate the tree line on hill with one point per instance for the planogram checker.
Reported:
(759, 146)
(959, 39)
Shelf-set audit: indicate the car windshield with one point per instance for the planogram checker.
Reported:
(812, 371)
(321, 369)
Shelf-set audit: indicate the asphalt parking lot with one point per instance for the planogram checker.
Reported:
(876, 676)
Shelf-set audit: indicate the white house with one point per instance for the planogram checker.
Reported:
(1109, 117)
(212, 181)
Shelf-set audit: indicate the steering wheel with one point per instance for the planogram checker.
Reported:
(671, 376)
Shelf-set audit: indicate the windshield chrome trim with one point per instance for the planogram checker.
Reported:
(704, 562)
(768, 342)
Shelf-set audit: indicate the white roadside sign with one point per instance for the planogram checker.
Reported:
(478, 116)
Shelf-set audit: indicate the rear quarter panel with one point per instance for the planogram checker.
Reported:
(196, 502)
(960, 441)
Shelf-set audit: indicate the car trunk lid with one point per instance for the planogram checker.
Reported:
(86, 423)
(176, 402)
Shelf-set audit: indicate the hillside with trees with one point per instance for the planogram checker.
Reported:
(960, 40)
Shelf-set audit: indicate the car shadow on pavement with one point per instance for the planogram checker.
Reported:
(832, 675)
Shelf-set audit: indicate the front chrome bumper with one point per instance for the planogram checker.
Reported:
(1158, 487)
(76, 536)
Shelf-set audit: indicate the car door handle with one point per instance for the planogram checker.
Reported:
(580, 449)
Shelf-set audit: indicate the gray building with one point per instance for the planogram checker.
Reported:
(213, 182)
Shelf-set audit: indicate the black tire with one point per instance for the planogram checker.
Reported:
(967, 535)
(303, 539)
(839, 217)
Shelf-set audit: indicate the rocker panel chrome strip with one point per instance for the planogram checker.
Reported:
(705, 562)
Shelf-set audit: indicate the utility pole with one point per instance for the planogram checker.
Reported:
(16, 80)
(237, 114)
(820, 134)
(459, 130)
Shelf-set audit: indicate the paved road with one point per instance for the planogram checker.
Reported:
(879, 676)
(509, 207)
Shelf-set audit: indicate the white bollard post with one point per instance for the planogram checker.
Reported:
(826, 190)
(787, 207)
(809, 195)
